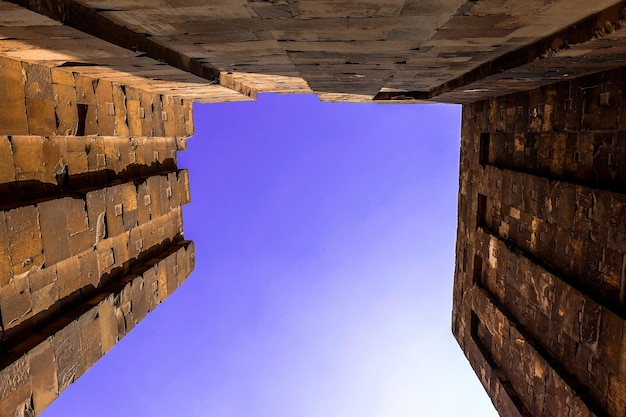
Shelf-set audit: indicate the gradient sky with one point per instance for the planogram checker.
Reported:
(325, 256)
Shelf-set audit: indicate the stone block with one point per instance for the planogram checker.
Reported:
(124, 311)
(14, 376)
(90, 337)
(43, 376)
(24, 236)
(19, 402)
(183, 187)
(182, 266)
(66, 109)
(112, 153)
(53, 217)
(76, 159)
(160, 203)
(81, 242)
(15, 301)
(44, 294)
(108, 324)
(61, 76)
(168, 117)
(616, 396)
(77, 220)
(172, 191)
(28, 157)
(158, 129)
(96, 214)
(139, 300)
(12, 89)
(129, 204)
(69, 279)
(96, 155)
(38, 81)
(119, 104)
(13, 120)
(132, 115)
(162, 271)
(54, 164)
(120, 246)
(89, 271)
(106, 258)
(144, 203)
(106, 108)
(114, 211)
(41, 116)
(151, 287)
(170, 266)
(136, 242)
(12, 104)
(67, 353)
(85, 89)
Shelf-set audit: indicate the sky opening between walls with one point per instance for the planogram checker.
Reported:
(324, 238)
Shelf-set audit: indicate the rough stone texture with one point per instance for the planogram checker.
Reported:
(90, 202)
(541, 257)
(95, 101)
(346, 50)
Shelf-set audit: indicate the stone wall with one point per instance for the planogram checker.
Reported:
(540, 285)
(95, 101)
(341, 51)
(91, 235)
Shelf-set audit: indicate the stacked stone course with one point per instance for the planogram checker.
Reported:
(539, 288)
(95, 103)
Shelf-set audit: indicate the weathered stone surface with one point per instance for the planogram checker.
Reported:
(90, 214)
(546, 284)
(77, 215)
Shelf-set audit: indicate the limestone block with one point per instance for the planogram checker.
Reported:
(53, 217)
(120, 107)
(28, 157)
(89, 271)
(43, 375)
(151, 287)
(15, 301)
(12, 104)
(67, 353)
(69, 279)
(96, 214)
(108, 324)
(24, 236)
(129, 204)
(90, 337)
(18, 402)
(106, 108)
(139, 300)
(114, 211)
(183, 187)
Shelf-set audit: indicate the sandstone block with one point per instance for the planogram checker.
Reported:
(67, 353)
(24, 236)
(43, 375)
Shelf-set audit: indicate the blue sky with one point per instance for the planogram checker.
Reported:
(325, 256)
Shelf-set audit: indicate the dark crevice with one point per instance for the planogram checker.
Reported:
(77, 64)
(82, 116)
